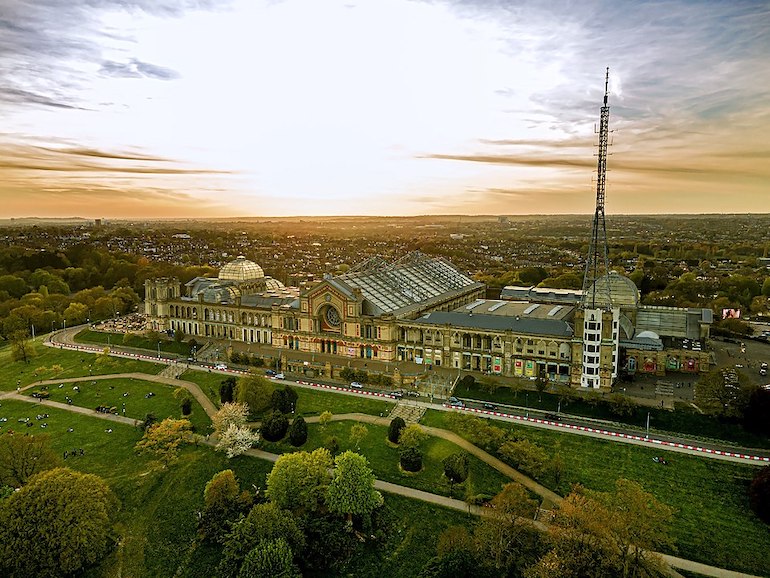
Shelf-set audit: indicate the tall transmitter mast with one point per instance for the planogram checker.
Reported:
(598, 263)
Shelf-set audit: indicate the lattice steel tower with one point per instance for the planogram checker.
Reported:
(598, 264)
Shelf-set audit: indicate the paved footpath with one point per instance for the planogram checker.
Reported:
(443, 501)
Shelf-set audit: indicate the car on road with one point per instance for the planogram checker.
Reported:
(356, 385)
(398, 394)
(456, 402)
(279, 376)
(413, 393)
(220, 366)
(553, 416)
(490, 406)
(270, 373)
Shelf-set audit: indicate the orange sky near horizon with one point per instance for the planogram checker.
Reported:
(172, 108)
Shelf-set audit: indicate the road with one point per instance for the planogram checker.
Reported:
(571, 424)
(209, 407)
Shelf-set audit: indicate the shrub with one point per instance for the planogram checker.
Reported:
(394, 430)
(186, 406)
(298, 431)
(275, 426)
(411, 459)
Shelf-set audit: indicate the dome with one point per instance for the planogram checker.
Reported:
(623, 291)
(649, 335)
(240, 270)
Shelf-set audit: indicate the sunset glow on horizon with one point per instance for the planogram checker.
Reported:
(180, 108)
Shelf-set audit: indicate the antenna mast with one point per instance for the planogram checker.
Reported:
(597, 253)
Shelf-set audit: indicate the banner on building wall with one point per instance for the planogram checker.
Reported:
(529, 368)
(518, 367)
(351, 351)
(497, 365)
(672, 363)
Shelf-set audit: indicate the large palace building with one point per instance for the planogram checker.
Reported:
(422, 310)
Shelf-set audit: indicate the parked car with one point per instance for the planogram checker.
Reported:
(279, 376)
(220, 366)
(553, 416)
(454, 401)
(397, 394)
(411, 393)
(356, 385)
(270, 373)
(490, 406)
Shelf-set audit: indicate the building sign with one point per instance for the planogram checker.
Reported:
(529, 368)
(497, 365)
(518, 367)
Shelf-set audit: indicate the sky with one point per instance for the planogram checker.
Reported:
(215, 108)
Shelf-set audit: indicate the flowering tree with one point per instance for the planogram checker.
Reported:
(230, 414)
(236, 439)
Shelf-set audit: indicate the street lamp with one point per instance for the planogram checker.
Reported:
(158, 349)
(526, 402)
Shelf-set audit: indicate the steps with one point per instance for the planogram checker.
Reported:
(409, 413)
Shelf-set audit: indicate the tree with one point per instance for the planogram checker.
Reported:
(223, 502)
(236, 440)
(724, 393)
(298, 432)
(358, 432)
(410, 458)
(351, 490)
(756, 416)
(759, 494)
(58, 524)
(264, 523)
(455, 469)
(298, 480)
(255, 391)
(22, 348)
(275, 426)
(412, 436)
(284, 400)
(324, 419)
(22, 456)
(526, 456)
(226, 389)
(184, 397)
(165, 439)
(270, 558)
(397, 424)
(230, 414)
(504, 535)
(607, 534)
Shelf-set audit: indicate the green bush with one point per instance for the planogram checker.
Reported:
(411, 459)
(298, 432)
(275, 426)
(397, 424)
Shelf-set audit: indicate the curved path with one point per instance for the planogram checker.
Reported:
(210, 409)
(669, 443)
(549, 497)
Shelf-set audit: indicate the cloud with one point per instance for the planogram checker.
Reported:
(529, 161)
(31, 158)
(14, 95)
(137, 69)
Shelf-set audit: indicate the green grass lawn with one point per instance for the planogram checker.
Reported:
(684, 420)
(383, 459)
(110, 393)
(156, 522)
(132, 340)
(54, 363)
(713, 522)
(310, 402)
